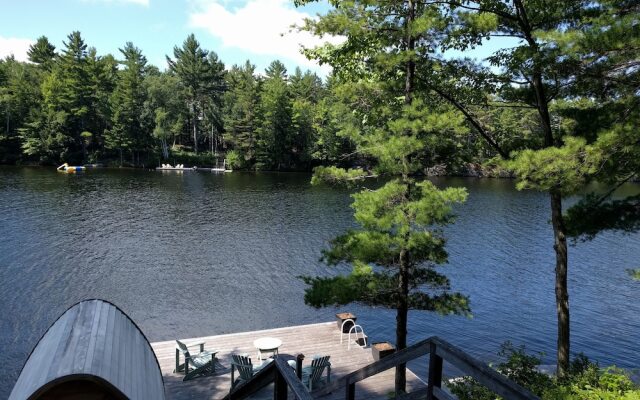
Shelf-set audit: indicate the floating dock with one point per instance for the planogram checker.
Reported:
(310, 340)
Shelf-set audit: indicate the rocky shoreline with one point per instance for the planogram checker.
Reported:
(471, 170)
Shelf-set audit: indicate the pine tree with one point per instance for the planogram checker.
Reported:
(126, 133)
(395, 252)
(275, 134)
(567, 50)
(306, 90)
(42, 52)
(200, 78)
(242, 113)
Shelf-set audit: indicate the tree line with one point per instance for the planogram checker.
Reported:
(77, 106)
(73, 105)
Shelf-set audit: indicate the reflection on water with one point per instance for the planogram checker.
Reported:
(196, 254)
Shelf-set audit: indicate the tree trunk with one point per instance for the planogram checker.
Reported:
(165, 150)
(8, 117)
(401, 321)
(562, 292)
(403, 281)
(195, 128)
(557, 220)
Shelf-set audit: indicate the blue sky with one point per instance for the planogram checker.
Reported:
(235, 30)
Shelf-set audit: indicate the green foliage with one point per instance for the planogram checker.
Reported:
(393, 221)
(585, 381)
(42, 52)
(242, 113)
(336, 175)
(235, 160)
(127, 133)
(565, 168)
(275, 134)
(188, 158)
(202, 76)
(595, 213)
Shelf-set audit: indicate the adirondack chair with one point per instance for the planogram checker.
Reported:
(246, 369)
(312, 374)
(202, 363)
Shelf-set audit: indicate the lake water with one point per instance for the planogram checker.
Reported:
(197, 254)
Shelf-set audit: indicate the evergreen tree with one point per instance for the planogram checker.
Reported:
(242, 113)
(67, 96)
(213, 102)
(330, 146)
(566, 50)
(126, 133)
(19, 97)
(306, 90)
(42, 52)
(275, 133)
(200, 79)
(395, 252)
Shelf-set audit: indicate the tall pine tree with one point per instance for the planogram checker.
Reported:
(126, 133)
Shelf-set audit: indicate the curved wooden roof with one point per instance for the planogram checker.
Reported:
(96, 343)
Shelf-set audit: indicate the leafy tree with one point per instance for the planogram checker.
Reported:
(166, 105)
(275, 133)
(42, 52)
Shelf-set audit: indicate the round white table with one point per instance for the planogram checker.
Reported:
(267, 345)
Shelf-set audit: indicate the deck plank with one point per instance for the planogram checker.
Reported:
(320, 339)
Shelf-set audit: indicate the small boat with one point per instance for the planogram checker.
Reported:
(217, 168)
(178, 167)
(70, 169)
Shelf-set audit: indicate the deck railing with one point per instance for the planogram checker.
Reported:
(439, 351)
(281, 374)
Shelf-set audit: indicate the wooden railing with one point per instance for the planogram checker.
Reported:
(439, 350)
(281, 374)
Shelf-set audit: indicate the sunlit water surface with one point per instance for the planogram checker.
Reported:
(197, 254)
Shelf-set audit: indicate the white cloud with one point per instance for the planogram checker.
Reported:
(259, 27)
(16, 46)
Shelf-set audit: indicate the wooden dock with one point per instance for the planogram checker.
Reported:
(323, 339)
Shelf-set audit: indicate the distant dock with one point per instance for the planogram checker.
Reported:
(310, 340)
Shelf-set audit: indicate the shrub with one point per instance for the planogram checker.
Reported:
(235, 160)
(586, 380)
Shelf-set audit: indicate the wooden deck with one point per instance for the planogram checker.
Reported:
(323, 338)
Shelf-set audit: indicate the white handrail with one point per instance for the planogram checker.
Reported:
(354, 329)
(342, 327)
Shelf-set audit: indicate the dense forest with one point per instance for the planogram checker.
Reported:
(73, 105)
